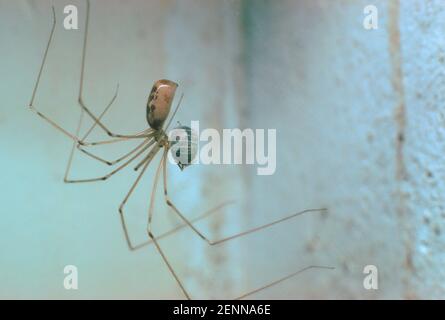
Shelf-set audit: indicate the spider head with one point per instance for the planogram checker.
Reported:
(183, 145)
(159, 102)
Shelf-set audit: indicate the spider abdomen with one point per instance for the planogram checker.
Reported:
(159, 102)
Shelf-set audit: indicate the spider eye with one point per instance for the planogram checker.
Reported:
(184, 145)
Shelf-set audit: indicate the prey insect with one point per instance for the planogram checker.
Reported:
(153, 140)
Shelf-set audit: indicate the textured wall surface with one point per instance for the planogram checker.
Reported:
(359, 131)
(423, 49)
(337, 134)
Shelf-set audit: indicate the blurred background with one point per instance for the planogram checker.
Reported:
(359, 130)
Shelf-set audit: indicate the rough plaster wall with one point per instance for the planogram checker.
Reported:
(360, 131)
(423, 49)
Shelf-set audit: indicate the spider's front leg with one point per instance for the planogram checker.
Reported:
(36, 86)
(97, 120)
(81, 147)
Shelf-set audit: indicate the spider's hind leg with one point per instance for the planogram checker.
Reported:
(238, 235)
(149, 227)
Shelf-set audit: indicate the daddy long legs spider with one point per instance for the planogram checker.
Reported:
(153, 140)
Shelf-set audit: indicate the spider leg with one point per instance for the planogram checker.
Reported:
(92, 155)
(147, 160)
(237, 235)
(175, 229)
(81, 102)
(149, 227)
(48, 119)
(111, 162)
(73, 148)
(36, 86)
(149, 142)
(82, 143)
(281, 280)
(174, 113)
(194, 220)
(142, 162)
(142, 134)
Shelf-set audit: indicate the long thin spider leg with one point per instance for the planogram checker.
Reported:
(267, 225)
(149, 231)
(92, 155)
(82, 73)
(70, 159)
(87, 133)
(122, 166)
(84, 143)
(36, 86)
(174, 113)
(183, 225)
(237, 235)
(112, 162)
(281, 280)
(141, 135)
(153, 191)
(147, 159)
(190, 224)
(141, 163)
(198, 218)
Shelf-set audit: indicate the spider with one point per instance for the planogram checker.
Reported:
(154, 139)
